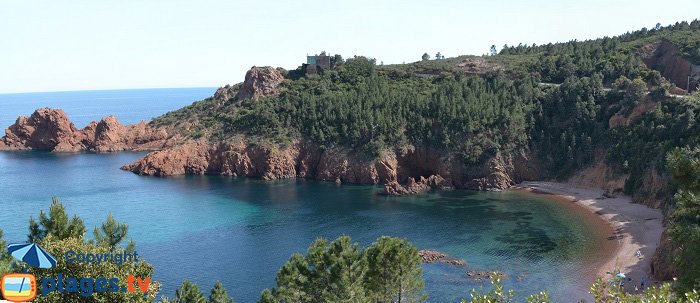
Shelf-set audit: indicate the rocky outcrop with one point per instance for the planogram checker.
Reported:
(260, 82)
(480, 276)
(666, 58)
(299, 159)
(662, 267)
(600, 175)
(225, 93)
(302, 159)
(51, 130)
(413, 187)
(432, 256)
(502, 171)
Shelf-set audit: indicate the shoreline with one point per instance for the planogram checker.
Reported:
(635, 227)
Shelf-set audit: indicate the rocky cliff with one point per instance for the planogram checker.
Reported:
(666, 58)
(49, 129)
(260, 82)
(303, 159)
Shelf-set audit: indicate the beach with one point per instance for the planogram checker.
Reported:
(636, 227)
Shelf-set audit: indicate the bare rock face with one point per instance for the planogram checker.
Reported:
(662, 266)
(666, 58)
(50, 129)
(225, 93)
(414, 187)
(44, 129)
(260, 82)
(300, 159)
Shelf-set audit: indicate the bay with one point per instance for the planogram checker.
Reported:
(240, 230)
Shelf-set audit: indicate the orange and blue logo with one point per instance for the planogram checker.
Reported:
(18, 287)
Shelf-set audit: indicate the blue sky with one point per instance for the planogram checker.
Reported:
(109, 44)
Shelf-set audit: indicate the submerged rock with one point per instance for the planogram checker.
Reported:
(432, 256)
(481, 276)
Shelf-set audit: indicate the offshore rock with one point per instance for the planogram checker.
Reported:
(51, 130)
(432, 256)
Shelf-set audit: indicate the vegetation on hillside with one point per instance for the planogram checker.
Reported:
(566, 103)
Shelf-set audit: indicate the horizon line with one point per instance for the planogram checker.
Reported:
(101, 89)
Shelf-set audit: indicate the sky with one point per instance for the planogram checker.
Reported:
(119, 44)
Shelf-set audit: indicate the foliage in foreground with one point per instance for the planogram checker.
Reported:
(684, 166)
(190, 293)
(58, 233)
(340, 271)
(603, 291)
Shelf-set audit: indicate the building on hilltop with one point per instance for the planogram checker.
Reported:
(313, 63)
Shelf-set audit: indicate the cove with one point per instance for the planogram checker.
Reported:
(240, 230)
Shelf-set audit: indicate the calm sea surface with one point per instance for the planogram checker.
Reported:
(240, 231)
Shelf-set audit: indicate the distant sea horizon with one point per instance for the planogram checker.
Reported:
(83, 106)
(100, 89)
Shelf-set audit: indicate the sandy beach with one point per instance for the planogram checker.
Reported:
(635, 227)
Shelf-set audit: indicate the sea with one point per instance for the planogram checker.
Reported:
(240, 231)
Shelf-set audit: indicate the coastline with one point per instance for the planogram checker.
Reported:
(635, 227)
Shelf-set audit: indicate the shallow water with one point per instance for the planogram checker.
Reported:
(240, 231)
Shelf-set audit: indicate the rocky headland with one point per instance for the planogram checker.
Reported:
(51, 130)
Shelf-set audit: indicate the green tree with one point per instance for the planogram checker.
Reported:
(55, 224)
(267, 297)
(347, 268)
(394, 273)
(108, 270)
(5, 257)
(58, 235)
(635, 91)
(425, 57)
(684, 167)
(111, 233)
(218, 294)
(189, 293)
(493, 51)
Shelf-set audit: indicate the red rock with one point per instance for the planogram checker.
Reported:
(259, 82)
(50, 129)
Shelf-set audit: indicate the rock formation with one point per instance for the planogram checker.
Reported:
(413, 187)
(432, 256)
(299, 159)
(666, 58)
(260, 82)
(49, 129)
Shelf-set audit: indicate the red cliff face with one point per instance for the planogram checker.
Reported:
(260, 82)
(666, 58)
(305, 160)
(49, 129)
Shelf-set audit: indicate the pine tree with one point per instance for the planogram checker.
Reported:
(5, 257)
(347, 268)
(267, 297)
(111, 233)
(219, 294)
(394, 273)
(55, 224)
(189, 293)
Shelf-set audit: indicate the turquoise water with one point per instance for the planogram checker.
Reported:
(240, 231)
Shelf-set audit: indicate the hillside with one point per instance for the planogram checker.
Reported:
(552, 108)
